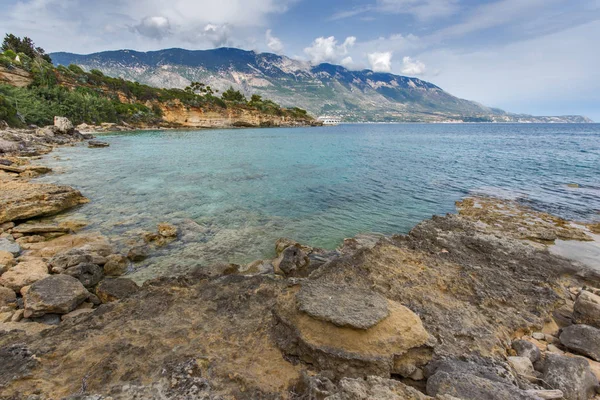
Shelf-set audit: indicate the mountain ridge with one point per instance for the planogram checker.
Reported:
(321, 89)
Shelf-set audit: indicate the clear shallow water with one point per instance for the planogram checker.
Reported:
(319, 185)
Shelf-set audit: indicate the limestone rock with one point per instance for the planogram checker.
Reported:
(587, 309)
(138, 253)
(7, 260)
(93, 144)
(345, 351)
(582, 339)
(7, 146)
(293, 262)
(7, 296)
(167, 230)
(9, 247)
(63, 126)
(465, 386)
(523, 367)
(17, 363)
(30, 229)
(77, 313)
(116, 265)
(57, 294)
(68, 259)
(374, 387)
(87, 273)
(110, 290)
(24, 274)
(343, 306)
(24, 200)
(527, 349)
(484, 368)
(570, 375)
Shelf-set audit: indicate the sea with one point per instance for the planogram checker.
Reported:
(235, 192)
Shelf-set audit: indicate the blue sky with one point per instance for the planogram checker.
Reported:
(532, 56)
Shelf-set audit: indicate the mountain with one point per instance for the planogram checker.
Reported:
(321, 89)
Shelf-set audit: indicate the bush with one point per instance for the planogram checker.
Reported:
(8, 112)
(76, 69)
(10, 54)
(97, 72)
(233, 95)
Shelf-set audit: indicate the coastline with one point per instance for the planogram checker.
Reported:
(465, 287)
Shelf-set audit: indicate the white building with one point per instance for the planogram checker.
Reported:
(326, 120)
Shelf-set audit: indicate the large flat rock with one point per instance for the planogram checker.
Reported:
(20, 200)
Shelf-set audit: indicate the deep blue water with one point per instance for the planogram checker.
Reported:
(320, 185)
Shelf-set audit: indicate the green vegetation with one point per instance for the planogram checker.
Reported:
(93, 97)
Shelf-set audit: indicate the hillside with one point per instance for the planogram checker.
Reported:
(33, 91)
(321, 89)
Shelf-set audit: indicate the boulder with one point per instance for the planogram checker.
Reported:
(63, 126)
(587, 309)
(116, 265)
(24, 200)
(24, 273)
(582, 339)
(342, 305)
(57, 294)
(484, 368)
(87, 273)
(167, 230)
(7, 260)
(7, 296)
(527, 349)
(464, 386)
(345, 351)
(10, 247)
(523, 367)
(138, 253)
(68, 259)
(7, 146)
(292, 262)
(110, 290)
(94, 144)
(372, 387)
(570, 375)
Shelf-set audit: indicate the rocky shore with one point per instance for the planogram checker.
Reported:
(466, 306)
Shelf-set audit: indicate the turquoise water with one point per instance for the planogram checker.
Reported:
(246, 188)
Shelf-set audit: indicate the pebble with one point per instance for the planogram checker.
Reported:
(538, 336)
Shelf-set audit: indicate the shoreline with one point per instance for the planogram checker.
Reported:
(476, 293)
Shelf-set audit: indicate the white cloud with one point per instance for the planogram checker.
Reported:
(218, 35)
(154, 27)
(273, 43)
(347, 62)
(327, 49)
(412, 67)
(381, 62)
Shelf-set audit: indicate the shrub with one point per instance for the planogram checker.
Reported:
(233, 95)
(10, 54)
(76, 69)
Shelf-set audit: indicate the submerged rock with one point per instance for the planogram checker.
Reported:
(116, 265)
(57, 294)
(97, 144)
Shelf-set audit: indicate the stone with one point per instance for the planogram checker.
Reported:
(582, 339)
(538, 336)
(21, 200)
(138, 253)
(116, 265)
(465, 386)
(553, 349)
(6, 316)
(7, 260)
(167, 230)
(48, 319)
(7, 296)
(546, 394)
(371, 388)
(68, 259)
(110, 290)
(87, 273)
(63, 126)
(343, 306)
(30, 229)
(258, 267)
(527, 349)
(17, 316)
(523, 367)
(586, 309)
(293, 262)
(484, 368)
(24, 274)
(346, 351)
(92, 144)
(570, 375)
(7, 146)
(57, 294)
(10, 247)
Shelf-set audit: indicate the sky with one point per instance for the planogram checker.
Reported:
(538, 57)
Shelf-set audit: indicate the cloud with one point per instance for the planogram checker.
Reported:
(273, 43)
(380, 62)
(347, 62)
(412, 67)
(327, 49)
(154, 27)
(218, 35)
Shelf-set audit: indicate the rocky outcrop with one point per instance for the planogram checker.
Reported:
(63, 126)
(21, 200)
(111, 290)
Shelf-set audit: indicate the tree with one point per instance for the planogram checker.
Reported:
(25, 45)
(233, 95)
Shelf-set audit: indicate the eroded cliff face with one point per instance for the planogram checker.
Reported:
(15, 77)
(195, 117)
